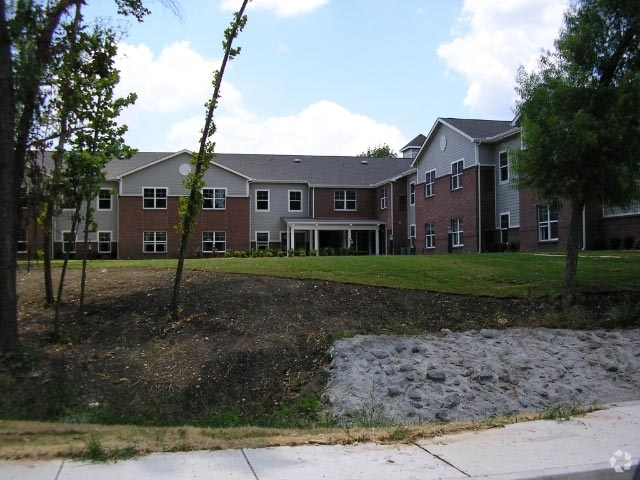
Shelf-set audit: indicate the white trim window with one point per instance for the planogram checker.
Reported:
(412, 194)
(154, 242)
(104, 201)
(430, 235)
(547, 223)
(430, 183)
(457, 232)
(412, 235)
(214, 198)
(104, 242)
(344, 200)
(22, 241)
(214, 242)
(154, 198)
(609, 211)
(68, 243)
(505, 224)
(503, 166)
(383, 198)
(295, 200)
(262, 240)
(456, 174)
(263, 203)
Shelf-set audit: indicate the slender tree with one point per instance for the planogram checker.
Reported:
(195, 180)
(579, 114)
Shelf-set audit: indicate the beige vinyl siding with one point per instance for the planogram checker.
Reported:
(507, 197)
(458, 147)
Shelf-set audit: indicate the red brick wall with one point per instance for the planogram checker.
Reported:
(529, 223)
(445, 205)
(619, 227)
(134, 220)
(365, 204)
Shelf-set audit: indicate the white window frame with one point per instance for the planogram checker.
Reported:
(546, 223)
(262, 244)
(502, 228)
(212, 198)
(457, 232)
(258, 201)
(345, 201)
(67, 233)
(156, 200)
(217, 240)
(456, 177)
(300, 200)
(383, 198)
(100, 198)
(430, 235)
(101, 242)
(412, 194)
(430, 183)
(504, 168)
(22, 243)
(609, 211)
(412, 234)
(155, 242)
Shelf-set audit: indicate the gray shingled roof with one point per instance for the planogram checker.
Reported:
(311, 169)
(417, 142)
(480, 129)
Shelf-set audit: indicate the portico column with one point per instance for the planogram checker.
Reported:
(316, 240)
(291, 237)
(377, 235)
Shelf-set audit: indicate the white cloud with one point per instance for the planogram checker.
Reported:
(173, 86)
(492, 39)
(282, 8)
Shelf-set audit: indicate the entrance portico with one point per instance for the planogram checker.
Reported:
(361, 236)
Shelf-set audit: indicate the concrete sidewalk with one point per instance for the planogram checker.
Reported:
(601, 445)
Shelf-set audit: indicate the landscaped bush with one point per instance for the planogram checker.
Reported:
(301, 253)
(614, 243)
(327, 251)
(313, 252)
(637, 245)
(629, 242)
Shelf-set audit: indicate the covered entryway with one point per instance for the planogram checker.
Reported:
(352, 236)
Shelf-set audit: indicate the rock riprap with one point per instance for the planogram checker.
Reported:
(479, 374)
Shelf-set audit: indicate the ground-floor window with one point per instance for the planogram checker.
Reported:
(23, 244)
(504, 227)
(154, 242)
(547, 223)
(214, 241)
(412, 235)
(430, 235)
(457, 237)
(262, 240)
(68, 243)
(104, 242)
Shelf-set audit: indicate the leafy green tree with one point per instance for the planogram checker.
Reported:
(380, 151)
(579, 115)
(202, 160)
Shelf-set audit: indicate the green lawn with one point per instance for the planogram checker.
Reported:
(499, 275)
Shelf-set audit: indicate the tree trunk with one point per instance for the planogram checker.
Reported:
(48, 254)
(8, 195)
(83, 280)
(571, 265)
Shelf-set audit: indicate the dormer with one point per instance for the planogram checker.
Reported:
(411, 149)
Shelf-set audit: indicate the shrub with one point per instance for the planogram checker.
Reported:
(280, 253)
(327, 251)
(629, 242)
(614, 243)
(291, 252)
(313, 252)
(269, 254)
(301, 253)
(637, 245)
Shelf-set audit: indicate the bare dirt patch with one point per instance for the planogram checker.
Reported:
(247, 350)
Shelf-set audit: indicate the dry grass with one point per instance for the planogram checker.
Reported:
(36, 440)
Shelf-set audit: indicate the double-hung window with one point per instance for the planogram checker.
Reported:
(214, 241)
(505, 223)
(104, 242)
(295, 200)
(344, 200)
(214, 198)
(430, 183)
(412, 193)
(154, 242)
(23, 243)
(68, 243)
(154, 198)
(104, 199)
(457, 237)
(262, 200)
(547, 223)
(262, 240)
(430, 235)
(383, 198)
(503, 165)
(456, 174)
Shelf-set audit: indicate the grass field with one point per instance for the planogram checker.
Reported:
(516, 275)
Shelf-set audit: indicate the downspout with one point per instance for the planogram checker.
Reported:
(584, 227)
(479, 200)
(118, 196)
(392, 207)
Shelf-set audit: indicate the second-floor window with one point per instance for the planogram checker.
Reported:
(295, 200)
(383, 198)
(104, 199)
(344, 200)
(154, 198)
(412, 193)
(430, 183)
(214, 198)
(262, 200)
(503, 164)
(456, 174)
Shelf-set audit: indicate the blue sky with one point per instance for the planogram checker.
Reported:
(326, 77)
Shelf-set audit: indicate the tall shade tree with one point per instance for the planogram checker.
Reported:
(579, 117)
(380, 151)
(195, 180)
(27, 32)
